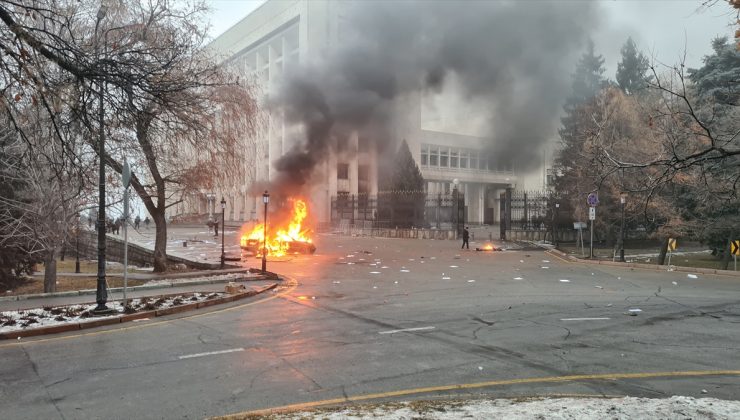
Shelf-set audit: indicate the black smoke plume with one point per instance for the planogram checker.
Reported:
(515, 57)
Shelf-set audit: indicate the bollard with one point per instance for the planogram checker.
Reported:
(185, 244)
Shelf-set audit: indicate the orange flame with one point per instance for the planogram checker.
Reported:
(281, 235)
(487, 247)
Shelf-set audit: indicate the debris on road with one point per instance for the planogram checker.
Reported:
(692, 276)
(564, 281)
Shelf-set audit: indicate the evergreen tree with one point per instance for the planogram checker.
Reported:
(632, 70)
(587, 82)
(405, 174)
(718, 80)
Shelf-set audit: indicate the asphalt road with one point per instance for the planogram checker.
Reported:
(389, 316)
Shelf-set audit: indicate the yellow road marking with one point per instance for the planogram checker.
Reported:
(292, 284)
(405, 392)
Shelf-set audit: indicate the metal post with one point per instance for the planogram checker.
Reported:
(621, 233)
(223, 232)
(125, 244)
(101, 295)
(265, 199)
(77, 246)
(591, 244)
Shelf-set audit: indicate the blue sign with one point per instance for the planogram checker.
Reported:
(593, 199)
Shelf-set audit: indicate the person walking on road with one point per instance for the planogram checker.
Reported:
(137, 221)
(466, 238)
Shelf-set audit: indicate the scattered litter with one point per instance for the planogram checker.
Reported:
(674, 283)
(313, 297)
(350, 263)
(375, 287)
(141, 319)
(545, 267)
(375, 272)
(592, 274)
(599, 287)
(404, 271)
(411, 259)
(350, 256)
(692, 276)
(635, 310)
(336, 282)
(453, 266)
(445, 278)
(395, 282)
(434, 258)
(471, 281)
(385, 266)
(521, 261)
(422, 262)
(457, 257)
(619, 278)
(703, 391)
(609, 305)
(564, 281)
(480, 367)
(545, 261)
(518, 278)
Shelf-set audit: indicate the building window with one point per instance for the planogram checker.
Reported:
(464, 159)
(453, 158)
(424, 155)
(474, 160)
(433, 156)
(444, 157)
(343, 171)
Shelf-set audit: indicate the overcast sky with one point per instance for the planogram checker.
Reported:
(662, 29)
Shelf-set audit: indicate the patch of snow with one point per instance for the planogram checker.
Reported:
(550, 408)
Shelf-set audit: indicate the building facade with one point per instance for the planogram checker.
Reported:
(274, 40)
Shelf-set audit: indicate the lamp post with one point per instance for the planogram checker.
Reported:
(265, 199)
(223, 230)
(77, 245)
(623, 201)
(456, 217)
(555, 225)
(101, 295)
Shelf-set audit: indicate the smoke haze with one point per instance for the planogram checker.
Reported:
(516, 58)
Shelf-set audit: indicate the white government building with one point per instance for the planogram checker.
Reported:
(281, 34)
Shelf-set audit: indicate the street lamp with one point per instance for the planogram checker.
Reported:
(101, 295)
(223, 230)
(623, 201)
(265, 199)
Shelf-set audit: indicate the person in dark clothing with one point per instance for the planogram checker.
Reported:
(137, 221)
(466, 238)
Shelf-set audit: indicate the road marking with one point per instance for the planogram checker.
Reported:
(209, 353)
(291, 285)
(583, 319)
(406, 330)
(405, 392)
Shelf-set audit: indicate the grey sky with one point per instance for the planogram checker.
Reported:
(662, 29)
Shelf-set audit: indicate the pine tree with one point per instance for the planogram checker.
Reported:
(632, 70)
(405, 174)
(587, 83)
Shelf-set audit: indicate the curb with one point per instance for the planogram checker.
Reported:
(54, 329)
(267, 276)
(655, 267)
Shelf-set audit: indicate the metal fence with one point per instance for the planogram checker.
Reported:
(400, 209)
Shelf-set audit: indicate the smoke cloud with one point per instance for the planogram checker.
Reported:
(516, 58)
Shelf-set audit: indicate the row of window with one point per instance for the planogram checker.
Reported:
(460, 158)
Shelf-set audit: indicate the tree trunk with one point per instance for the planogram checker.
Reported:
(727, 255)
(50, 271)
(663, 252)
(160, 241)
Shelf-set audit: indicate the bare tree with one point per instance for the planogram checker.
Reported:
(175, 114)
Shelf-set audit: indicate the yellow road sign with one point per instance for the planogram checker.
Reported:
(735, 247)
(671, 244)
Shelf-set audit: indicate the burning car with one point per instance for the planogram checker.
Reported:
(284, 237)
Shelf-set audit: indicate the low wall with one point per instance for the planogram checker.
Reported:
(137, 255)
(352, 230)
(540, 235)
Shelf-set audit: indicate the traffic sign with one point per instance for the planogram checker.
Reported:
(592, 213)
(735, 247)
(671, 244)
(593, 199)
